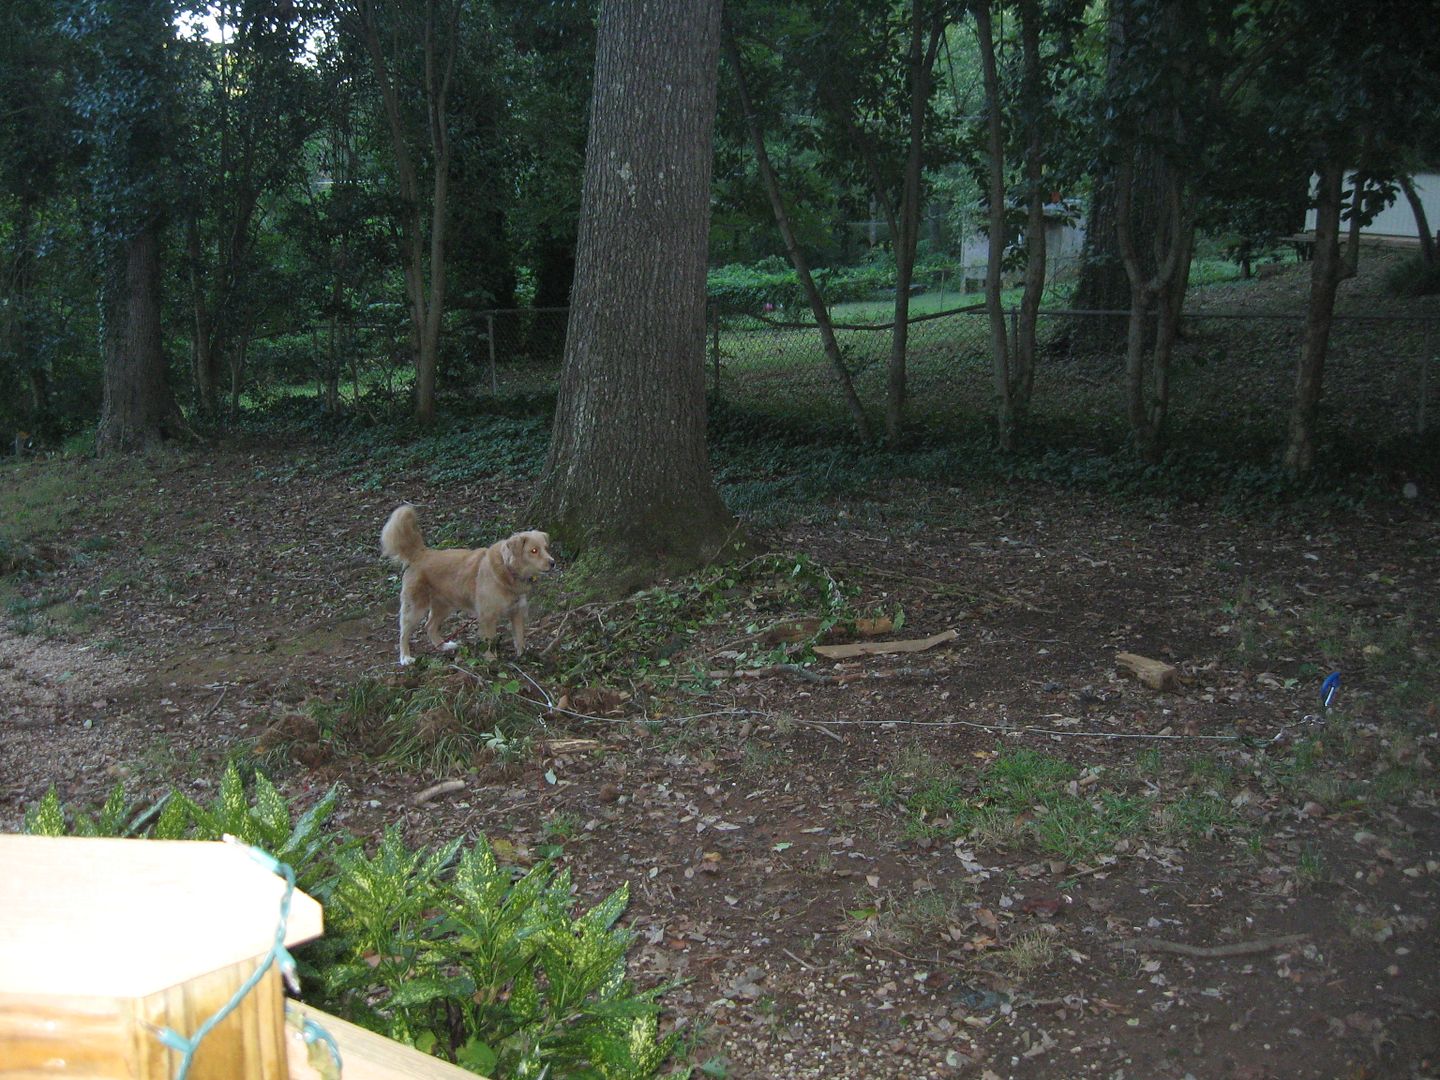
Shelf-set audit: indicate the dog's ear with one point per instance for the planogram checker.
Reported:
(512, 551)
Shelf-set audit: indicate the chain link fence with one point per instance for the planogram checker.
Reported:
(1230, 368)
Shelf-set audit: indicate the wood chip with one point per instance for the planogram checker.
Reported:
(1155, 674)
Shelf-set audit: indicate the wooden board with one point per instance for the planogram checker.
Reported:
(365, 1055)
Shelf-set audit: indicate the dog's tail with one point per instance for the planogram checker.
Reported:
(401, 539)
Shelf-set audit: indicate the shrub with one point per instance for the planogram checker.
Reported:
(1412, 276)
(443, 948)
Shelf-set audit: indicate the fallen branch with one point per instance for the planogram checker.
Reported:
(881, 648)
(211, 710)
(1211, 952)
(821, 728)
(445, 787)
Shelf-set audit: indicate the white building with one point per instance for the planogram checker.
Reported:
(1396, 223)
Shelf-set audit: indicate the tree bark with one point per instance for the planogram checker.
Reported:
(792, 245)
(1326, 271)
(137, 402)
(627, 481)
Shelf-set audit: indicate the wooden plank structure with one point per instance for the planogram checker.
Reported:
(106, 942)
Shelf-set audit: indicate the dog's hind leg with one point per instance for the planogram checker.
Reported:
(438, 615)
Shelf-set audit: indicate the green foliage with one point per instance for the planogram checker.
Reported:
(1413, 276)
(442, 947)
(646, 633)
(1020, 795)
(747, 289)
(538, 991)
(452, 452)
(435, 716)
(260, 817)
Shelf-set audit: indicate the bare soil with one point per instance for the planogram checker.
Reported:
(817, 932)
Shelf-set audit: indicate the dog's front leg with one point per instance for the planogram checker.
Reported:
(518, 616)
(488, 630)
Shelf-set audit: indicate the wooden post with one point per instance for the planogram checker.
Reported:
(104, 942)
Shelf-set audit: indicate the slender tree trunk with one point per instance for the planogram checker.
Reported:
(1033, 106)
(137, 402)
(995, 196)
(1422, 222)
(1156, 302)
(627, 481)
(1013, 361)
(19, 336)
(1104, 283)
(422, 265)
(205, 364)
(1326, 272)
(926, 32)
(433, 313)
(792, 246)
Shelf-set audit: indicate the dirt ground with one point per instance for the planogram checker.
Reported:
(816, 932)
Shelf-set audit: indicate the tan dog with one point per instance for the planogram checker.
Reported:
(488, 583)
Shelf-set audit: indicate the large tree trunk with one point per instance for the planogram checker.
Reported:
(137, 401)
(792, 246)
(627, 480)
(1326, 271)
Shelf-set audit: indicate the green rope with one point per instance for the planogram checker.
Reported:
(278, 954)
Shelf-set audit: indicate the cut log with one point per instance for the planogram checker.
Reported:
(1155, 674)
